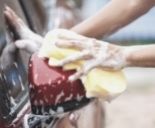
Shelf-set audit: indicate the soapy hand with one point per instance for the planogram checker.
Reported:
(97, 54)
(29, 41)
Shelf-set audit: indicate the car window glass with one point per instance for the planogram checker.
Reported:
(13, 81)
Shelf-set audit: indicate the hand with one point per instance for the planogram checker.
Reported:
(98, 54)
(29, 41)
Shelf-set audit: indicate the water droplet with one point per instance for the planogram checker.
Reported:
(59, 82)
(22, 85)
(60, 109)
(59, 96)
(36, 77)
(41, 102)
(36, 102)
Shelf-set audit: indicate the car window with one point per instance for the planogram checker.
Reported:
(35, 14)
(13, 81)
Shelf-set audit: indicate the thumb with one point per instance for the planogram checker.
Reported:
(28, 45)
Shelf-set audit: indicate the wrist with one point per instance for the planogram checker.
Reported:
(127, 52)
(123, 55)
(120, 56)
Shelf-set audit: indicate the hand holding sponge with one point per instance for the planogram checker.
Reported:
(98, 82)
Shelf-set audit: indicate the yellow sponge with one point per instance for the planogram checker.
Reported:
(98, 83)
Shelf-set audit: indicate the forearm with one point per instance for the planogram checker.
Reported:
(112, 17)
(140, 56)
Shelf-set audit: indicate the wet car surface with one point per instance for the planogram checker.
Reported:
(14, 96)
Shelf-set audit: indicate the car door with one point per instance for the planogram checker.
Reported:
(14, 97)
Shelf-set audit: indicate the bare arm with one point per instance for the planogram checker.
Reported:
(113, 16)
(140, 56)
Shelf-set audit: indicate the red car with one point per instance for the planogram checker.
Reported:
(33, 103)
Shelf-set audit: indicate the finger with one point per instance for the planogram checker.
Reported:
(76, 76)
(27, 45)
(12, 18)
(75, 57)
(17, 25)
(74, 44)
(84, 71)
(11, 12)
